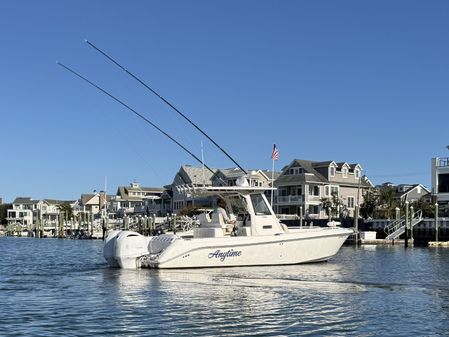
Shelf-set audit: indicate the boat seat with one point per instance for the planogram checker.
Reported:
(204, 219)
(217, 220)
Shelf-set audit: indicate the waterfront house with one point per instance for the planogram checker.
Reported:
(26, 211)
(22, 211)
(90, 203)
(191, 176)
(305, 184)
(440, 182)
(138, 200)
(411, 193)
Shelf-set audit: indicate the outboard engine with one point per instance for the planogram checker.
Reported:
(109, 248)
(124, 248)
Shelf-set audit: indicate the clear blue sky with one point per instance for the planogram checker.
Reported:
(355, 81)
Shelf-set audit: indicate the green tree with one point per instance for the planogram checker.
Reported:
(66, 208)
(427, 208)
(370, 203)
(335, 204)
(387, 202)
(3, 212)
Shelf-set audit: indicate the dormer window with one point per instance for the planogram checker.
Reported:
(332, 171)
(295, 171)
(357, 173)
(344, 171)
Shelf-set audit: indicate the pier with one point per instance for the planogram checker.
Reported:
(95, 229)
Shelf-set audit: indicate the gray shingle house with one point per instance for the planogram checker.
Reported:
(305, 183)
(192, 176)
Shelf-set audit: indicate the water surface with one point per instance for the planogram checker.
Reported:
(51, 287)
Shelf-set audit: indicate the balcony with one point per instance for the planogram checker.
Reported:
(290, 199)
(313, 198)
(442, 162)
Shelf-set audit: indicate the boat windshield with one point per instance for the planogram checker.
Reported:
(259, 205)
(238, 205)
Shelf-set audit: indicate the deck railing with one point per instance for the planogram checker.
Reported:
(442, 162)
(397, 227)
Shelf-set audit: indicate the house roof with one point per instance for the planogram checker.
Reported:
(320, 163)
(308, 167)
(25, 201)
(408, 189)
(124, 192)
(58, 202)
(85, 198)
(268, 173)
(194, 175)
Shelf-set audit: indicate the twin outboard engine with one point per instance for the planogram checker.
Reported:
(124, 248)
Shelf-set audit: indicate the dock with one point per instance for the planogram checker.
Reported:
(438, 243)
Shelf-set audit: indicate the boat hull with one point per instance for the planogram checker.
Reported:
(302, 246)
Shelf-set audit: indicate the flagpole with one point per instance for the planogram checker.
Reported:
(272, 184)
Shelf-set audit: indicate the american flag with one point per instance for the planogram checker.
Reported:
(275, 154)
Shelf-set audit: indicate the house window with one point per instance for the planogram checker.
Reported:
(295, 171)
(283, 192)
(351, 202)
(232, 182)
(314, 190)
(332, 171)
(357, 174)
(330, 190)
(334, 190)
(418, 190)
(313, 209)
(344, 170)
(295, 190)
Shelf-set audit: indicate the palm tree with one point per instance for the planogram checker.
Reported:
(334, 203)
(370, 203)
(387, 199)
(66, 208)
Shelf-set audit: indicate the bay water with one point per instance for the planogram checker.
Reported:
(53, 287)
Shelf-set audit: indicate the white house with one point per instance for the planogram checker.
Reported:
(440, 181)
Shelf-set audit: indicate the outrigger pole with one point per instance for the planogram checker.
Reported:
(136, 113)
(165, 101)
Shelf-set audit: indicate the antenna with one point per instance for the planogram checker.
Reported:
(135, 112)
(164, 100)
